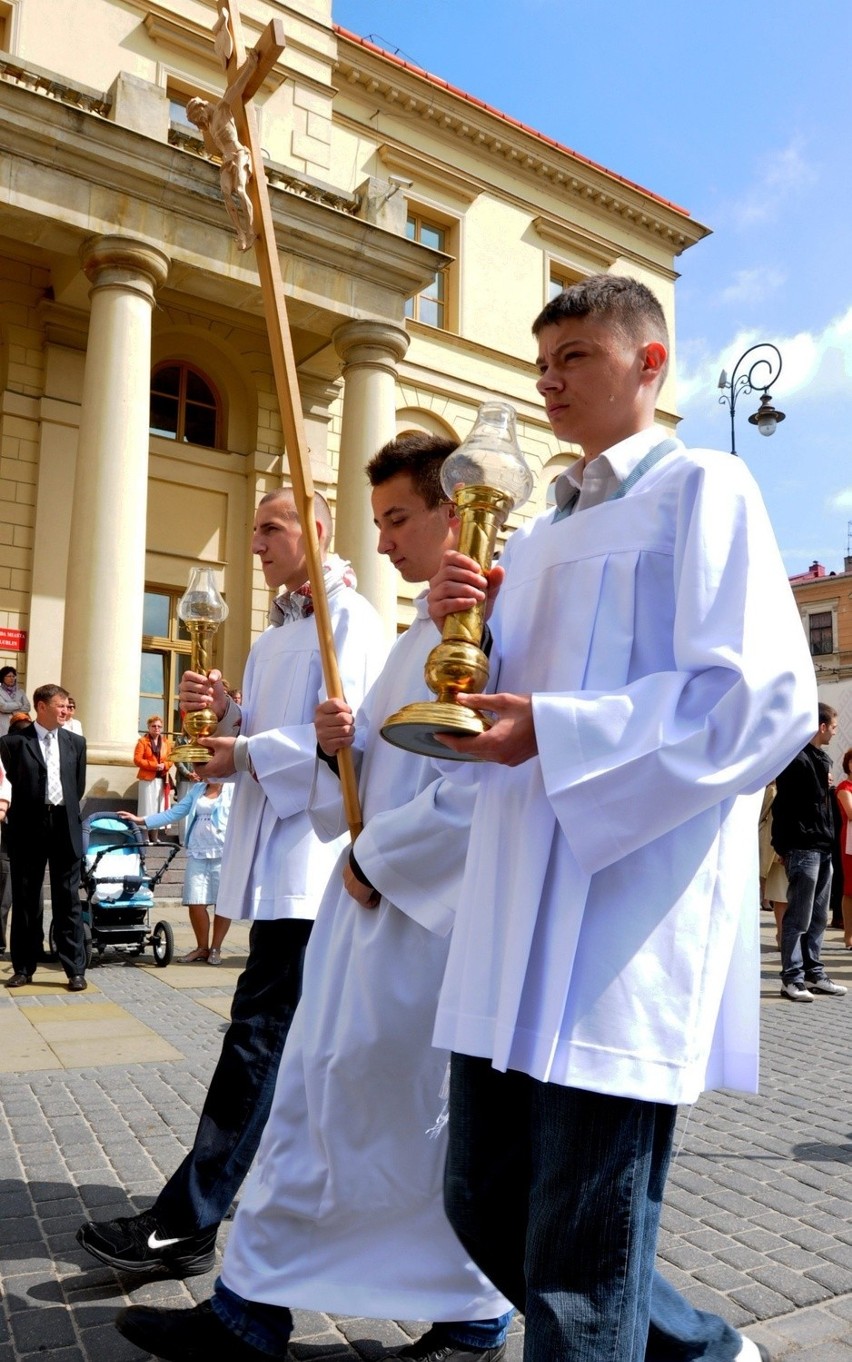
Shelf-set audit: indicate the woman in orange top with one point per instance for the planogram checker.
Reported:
(151, 759)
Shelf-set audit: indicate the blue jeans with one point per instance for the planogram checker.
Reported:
(803, 924)
(199, 1194)
(556, 1194)
(268, 1327)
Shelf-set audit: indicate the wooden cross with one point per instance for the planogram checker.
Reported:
(245, 75)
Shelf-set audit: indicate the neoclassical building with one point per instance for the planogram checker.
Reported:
(418, 230)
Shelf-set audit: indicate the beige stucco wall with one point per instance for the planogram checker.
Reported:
(99, 162)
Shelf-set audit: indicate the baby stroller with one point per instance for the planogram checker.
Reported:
(118, 889)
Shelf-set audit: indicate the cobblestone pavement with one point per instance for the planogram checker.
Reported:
(756, 1224)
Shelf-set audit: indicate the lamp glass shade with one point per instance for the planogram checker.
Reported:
(766, 422)
(202, 602)
(490, 457)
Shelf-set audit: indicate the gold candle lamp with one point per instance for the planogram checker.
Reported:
(202, 610)
(487, 478)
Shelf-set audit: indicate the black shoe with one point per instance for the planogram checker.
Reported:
(138, 1243)
(186, 1335)
(77, 984)
(434, 1347)
(18, 980)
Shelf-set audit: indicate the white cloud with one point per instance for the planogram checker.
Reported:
(782, 174)
(752, 286)
(817, 365)
(840, 501)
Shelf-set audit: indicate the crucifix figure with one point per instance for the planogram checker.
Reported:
(218, 122)
(230, 131)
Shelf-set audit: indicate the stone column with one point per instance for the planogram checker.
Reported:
(370, 352)
(106, 561)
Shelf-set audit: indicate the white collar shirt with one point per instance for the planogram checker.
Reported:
(49, 740)
(597, 480)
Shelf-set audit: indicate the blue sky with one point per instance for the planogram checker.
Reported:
(741, 114)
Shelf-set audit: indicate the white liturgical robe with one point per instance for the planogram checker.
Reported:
(343, 1209)
(608, 925)
(273, 865)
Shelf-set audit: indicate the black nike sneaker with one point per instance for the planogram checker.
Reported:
(139, 1243)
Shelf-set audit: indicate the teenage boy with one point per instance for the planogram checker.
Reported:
(343, 1210)
(652, 672)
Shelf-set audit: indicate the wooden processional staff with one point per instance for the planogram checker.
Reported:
(229, 129)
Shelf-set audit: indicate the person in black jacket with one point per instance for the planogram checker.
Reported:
(47, 768)
(803, 834)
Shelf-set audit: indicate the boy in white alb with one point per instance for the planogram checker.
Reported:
(343, 1211)
(652, 675)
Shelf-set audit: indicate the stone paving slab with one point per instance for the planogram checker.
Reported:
(756, 1223)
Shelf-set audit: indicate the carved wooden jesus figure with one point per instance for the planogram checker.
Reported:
(219, 130)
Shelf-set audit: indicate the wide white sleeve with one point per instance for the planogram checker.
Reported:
(325, 806)
(415, 855)
(284, 759)
(623, 769)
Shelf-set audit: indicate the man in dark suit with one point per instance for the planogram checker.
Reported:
(47, 768)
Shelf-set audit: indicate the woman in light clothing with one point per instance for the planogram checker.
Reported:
(205, 807)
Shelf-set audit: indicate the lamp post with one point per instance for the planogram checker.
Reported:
(766, 417)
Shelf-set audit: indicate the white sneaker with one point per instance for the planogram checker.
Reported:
(827, 987)
(797, 993)
(752, 1352)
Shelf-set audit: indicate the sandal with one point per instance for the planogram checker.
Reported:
(197, 957)
(215, 956)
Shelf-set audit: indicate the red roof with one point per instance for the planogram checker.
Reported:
(505, 118)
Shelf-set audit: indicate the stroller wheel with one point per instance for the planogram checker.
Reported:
(163, 944)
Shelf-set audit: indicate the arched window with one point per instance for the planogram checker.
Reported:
(184, 406)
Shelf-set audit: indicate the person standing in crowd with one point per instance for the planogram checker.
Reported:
(803, 836)
(205, 807)
(72, 723)
(844, 801)
(12, 698)
(274, 871)
(47, 768)
(651, 676)
(5, 875)
(151, 759)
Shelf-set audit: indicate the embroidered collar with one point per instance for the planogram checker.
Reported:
(298, 604)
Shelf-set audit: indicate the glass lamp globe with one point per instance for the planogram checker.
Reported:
(202, 602)
(490, 457)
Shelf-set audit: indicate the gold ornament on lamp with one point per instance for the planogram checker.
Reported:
(202, 610)
(487, 478)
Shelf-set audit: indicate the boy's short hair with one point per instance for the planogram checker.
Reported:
(825, 713)
(627, 303)
(322, 510)
(420, 456)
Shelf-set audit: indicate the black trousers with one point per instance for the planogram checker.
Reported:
(199, 1193)
(47, 845)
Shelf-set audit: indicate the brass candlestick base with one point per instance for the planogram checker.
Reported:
(452, 668)
(198, 724)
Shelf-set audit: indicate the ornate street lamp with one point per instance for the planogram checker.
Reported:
(766, 417)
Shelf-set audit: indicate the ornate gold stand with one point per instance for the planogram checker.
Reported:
(457, 665)
(199, 723)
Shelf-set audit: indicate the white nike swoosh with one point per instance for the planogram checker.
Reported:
(155, 1243)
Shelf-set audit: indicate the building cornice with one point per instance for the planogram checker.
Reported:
(44, 144)
(409, 91)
